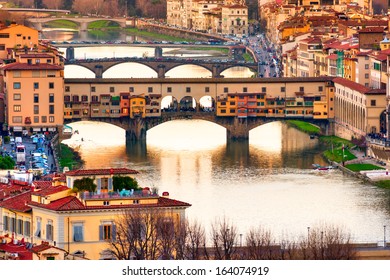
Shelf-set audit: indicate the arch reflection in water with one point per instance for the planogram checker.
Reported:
(245, 182)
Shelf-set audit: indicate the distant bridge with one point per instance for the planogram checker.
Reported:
(83, 22)
(160, 65)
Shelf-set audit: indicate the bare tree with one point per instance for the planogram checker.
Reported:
(136, 235)
(260, 245)
(224, 239)
(91, 7)
(327, 243)
(166, 237)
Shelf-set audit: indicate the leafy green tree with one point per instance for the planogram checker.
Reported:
(84, 184)
(6, 163)
(125, 182)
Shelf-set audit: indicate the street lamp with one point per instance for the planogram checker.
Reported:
(240, 239)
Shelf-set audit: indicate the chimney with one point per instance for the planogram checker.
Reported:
(165, 194)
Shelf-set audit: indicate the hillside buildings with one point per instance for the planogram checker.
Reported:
(211, 16)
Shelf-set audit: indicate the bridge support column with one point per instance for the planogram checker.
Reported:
(98, 71)
(216, 71)
(83, 26)
(69, 53)
(238, 130)
(161, 71)
(158, 52)
(136, 131)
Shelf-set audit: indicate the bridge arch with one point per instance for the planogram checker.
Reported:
(136, 73)
(78, 71)
(183, 74)
(74, 24)
(231, 67)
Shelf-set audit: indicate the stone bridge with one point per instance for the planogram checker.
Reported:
(236, 128)
(160, 65)
(83, 22)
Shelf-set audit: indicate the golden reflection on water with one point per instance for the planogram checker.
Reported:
(264, 181)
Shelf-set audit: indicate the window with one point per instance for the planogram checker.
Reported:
(112, 89)
(373, 102)
(36, 98)
(51, 98)
(150, 89)
(36, 85)
(188, 89)
(17, 85)
(36, 109)
(366, 66)
(66, 98)
(207, 89)
(95, 98)
(17, 96)
(26, 228)
(38, 230)
(263, 89)
(320, 88)
(49, 230)
(78, 232)
(93, 89)
(36, 119)
(67, 88)
(84, 98)
(131, 89)
(169, 89)
(17, 108)
(104, 184)
(225, 89)
(51, 109)
(5, 222)
(51, 119)
(366, 76)
(282, 89)
(245, 89)
(17, 119)
(43, 119)
(107, 231)
(301, 89)
(75, 98)
(51, 85)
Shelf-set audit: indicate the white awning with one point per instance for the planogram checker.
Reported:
(52, 129)
(18, 128)
(36, 129)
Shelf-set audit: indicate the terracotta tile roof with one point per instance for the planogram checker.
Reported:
(63, 204)
(23, 252)
(91, 172)
(371, 30)
(72, 203)
(332, 56)
(26, 66)
(13, 188)
(17, 202)
(43, 247)
(50, 190)
(36, 55)
(358, 87)
(379, 56)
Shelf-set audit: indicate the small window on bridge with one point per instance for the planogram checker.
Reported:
(225, 89)
(207, 89)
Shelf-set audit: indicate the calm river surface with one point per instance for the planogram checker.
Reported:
(267, 181)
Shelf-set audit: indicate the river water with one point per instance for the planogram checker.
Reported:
(267, 181)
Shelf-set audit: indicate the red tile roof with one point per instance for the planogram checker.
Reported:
(371, 30)
(358, 87)
(36, 55)
(13, 188)
(50, 190)
(91, 172)
(20, 249)
(43, 247)
(72, 203)
(26, 66)
(17, 202)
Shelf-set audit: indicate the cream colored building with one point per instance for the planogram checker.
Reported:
(359, 110)
(235, 20)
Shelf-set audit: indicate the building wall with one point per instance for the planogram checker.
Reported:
(17, 36)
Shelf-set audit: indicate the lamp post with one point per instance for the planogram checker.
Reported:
(308, 233)
(384, 236)
(240, 239)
